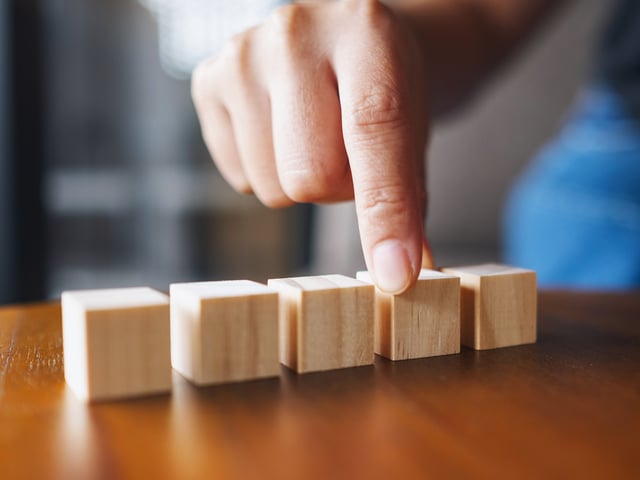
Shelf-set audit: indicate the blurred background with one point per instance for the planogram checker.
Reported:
(105, 181)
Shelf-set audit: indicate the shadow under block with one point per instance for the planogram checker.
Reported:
(116, 342)
(422, 322)
(498, 305)
(224, 331)
(326, 322)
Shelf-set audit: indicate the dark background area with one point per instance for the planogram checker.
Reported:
(6, 239)
(23, 230)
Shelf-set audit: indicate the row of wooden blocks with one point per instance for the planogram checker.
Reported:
(123, 342)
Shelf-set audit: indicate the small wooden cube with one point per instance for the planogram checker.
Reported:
(326, 322)
(224, 331)
(498, 306)
(116, 342)
(422, 322)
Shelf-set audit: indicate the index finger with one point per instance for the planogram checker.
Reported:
(381, 145)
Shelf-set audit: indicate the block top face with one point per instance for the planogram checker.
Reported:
(115, 298)
(488, 269)
(222, 289)
(316, 283)
(425, 274)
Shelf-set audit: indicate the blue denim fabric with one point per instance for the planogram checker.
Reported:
(574, 216)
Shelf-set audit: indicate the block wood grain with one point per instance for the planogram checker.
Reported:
(326, 322)
(498, 305)
(116, 342)
(224, 331)
(422, 322)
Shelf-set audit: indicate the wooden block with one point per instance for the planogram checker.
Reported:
(498, 306)
(326, 322)
(116, 342)
(224, 331)
(422, 322)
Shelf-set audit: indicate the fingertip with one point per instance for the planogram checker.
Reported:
(393, 270)
(201, 82)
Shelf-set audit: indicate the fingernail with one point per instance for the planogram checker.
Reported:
(391, 266)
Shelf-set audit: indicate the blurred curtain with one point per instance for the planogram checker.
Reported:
(191, 30)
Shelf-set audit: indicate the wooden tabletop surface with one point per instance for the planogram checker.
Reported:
(566, 407)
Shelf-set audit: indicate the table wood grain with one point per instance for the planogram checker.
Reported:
(566, 407)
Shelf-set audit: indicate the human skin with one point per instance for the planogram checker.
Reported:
(332, 101)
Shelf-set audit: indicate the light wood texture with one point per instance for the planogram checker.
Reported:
(498, 305)
(224, 331)
(422, 322)
(326, 322)
(565, 407)
(116, 342)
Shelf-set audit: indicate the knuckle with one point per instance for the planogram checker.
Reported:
(300, 181)
(306, 180)
(384, 203)
(288, 19)
(301, 194)
(274, 199)
(379, 107)
(200, 84)
(233, 176)
(288, 26)
(230, 171)
(305, 186)
(240, 184)
(237, 45)
(298, 188)
(235, 56)
(373, 13)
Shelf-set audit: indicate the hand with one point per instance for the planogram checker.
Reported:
(326, 102)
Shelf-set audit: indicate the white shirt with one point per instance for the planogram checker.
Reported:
(191, 30)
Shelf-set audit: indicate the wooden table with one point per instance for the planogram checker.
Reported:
(566, 407)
